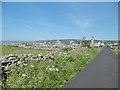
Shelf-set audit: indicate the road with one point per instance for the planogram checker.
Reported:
(102, 72)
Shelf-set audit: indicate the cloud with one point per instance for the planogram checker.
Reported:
(83, 23)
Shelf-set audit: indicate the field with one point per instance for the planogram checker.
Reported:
(19, 50)
(116, 51)
(0, 51)
(50, 73)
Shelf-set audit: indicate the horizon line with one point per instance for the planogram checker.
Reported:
(64, 39)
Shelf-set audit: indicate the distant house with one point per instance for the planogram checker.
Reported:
(115, 45)
(59, 44)
(74, 45)
(71, 42)
(98, 43)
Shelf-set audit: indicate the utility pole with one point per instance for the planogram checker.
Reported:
(82, 41)
(92, 41)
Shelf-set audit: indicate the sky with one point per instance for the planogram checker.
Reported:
(0, 22)
(29, 21)
(60, 0)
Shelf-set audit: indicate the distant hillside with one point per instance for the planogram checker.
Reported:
(65, 41)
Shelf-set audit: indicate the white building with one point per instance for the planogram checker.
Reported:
(99, 44)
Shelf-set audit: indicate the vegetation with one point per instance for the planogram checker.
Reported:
(67, 49)
(0, 50)
(117, 51)
(51, 73)
(20, 50)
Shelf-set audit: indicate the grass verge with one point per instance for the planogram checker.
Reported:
(51, 73)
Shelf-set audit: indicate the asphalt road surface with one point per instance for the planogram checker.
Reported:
(102, 72)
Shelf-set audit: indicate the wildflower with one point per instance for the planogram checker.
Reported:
(64, 53)
(19, 62)
(50, 69)
(0, 83)
(25, 64)
(57, 69)
(53, 69)
(23, 75)
(55, 51)
(50, 60)
(32, 66)
(53, 66)
(39, 55)
(60, 52)
(10, 54)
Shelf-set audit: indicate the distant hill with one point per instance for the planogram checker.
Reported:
(65, 41)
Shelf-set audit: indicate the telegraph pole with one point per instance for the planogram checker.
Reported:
(92, 41)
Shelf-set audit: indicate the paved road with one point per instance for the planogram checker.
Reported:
(102, 72)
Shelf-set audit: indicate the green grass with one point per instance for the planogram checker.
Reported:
(0, 50)
(40, 76)
(116, 51)
(20, 50)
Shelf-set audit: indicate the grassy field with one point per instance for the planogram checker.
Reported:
(20, 50)
(0, 50)
(50, 73)
(117, 52)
